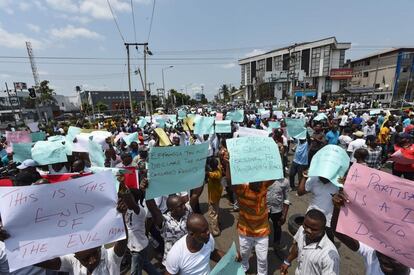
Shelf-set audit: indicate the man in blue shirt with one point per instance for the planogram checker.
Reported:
(300, 161)
(333, 135)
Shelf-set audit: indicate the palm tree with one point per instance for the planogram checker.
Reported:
(102, 107)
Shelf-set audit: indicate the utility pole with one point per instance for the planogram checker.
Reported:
(35, 74)
(129, 79)
(146, 52)
(11, 104)
(150, 98)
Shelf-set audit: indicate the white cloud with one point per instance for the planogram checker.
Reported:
(16, 40)
(71, 32)
(24, 6)
(33, 27)
(254, 52)
(63, 5)
(228, 65)
(99, 9)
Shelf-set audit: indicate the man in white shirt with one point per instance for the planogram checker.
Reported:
(192, 253)
(344, 139)
(321, 189)
(369, 129)
(315, 253)
(354, 145)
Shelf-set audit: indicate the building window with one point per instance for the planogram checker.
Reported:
(328, 85)
(366, 74)
(405, 69)
(269, 64)
(376, 86)
(367, 62)
(278, 63)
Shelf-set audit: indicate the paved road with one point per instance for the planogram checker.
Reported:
(351, 263)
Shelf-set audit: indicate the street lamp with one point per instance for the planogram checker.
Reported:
(163, 80)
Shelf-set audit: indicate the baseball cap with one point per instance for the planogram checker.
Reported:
(359, 134)
(27, 163)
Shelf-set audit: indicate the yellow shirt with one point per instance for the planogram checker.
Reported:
(383, 135)
(214, 186)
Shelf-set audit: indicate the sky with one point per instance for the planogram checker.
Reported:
(77, 43)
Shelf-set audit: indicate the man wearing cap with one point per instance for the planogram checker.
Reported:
(28, 166)
(359, 142)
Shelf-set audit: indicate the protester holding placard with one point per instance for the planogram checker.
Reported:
(375, 262)
(253, 225)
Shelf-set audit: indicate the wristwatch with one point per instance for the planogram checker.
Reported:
(286, 262)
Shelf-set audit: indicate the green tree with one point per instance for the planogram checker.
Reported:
(224, 90)
(101, 107)
(203, 99)
(86, 108)
(45, 94)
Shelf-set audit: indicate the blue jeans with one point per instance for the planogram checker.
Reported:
(141, 262)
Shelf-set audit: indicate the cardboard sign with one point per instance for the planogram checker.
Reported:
(228, 264)
(254, 159)
(252, 132)
(164, 140)
(380, 213)
(222, 126)
(204, 125)
(47, 152)
(38, 136)
(175, 169)
(52, 220)
(22, 151)
(295, 127)
(17, 137)
(330, 162)
(235, 116)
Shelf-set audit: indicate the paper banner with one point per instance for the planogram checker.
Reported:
(252, 132)
(380, 213)
(175, 169)
(204, 125)
(228, 264)
(182, 114)
(295, 127)
(258, 154)
(131, 138)
(223, 126)
(320, 117)
(330, 162)
(161, 122)
(17, 137)
(142, 122)
(56, 138)
(188, 123)
(47, 152)
(164, 140)
(38, 136)
(314, 108)
(33, 126)
(172, 118)
(70, 136)
(22, 151)
(278, 114)
(235, 116)
(59, 219)
(96, 154)
(273, 125)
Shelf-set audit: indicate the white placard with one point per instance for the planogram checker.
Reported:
(252, 132)
(82, 143)
(33, 126)
(52, 220)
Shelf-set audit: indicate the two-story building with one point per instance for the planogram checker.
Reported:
(311, 69)
(384, 76)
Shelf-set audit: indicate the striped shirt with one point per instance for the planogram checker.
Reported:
(320, 258)
(253, 215)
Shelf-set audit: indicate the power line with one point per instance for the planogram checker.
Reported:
(116, 22)
(116, 58)
(133, 20)
(152, 18)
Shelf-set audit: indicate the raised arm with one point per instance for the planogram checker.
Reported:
(301, 188)
(339, 200)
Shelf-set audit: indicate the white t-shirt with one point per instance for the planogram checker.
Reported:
(355, 145)
(344, 141)
(322, 197)
(110, 264)
(344, 120)
(137, 240)
(372, 266)
(181, 261)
